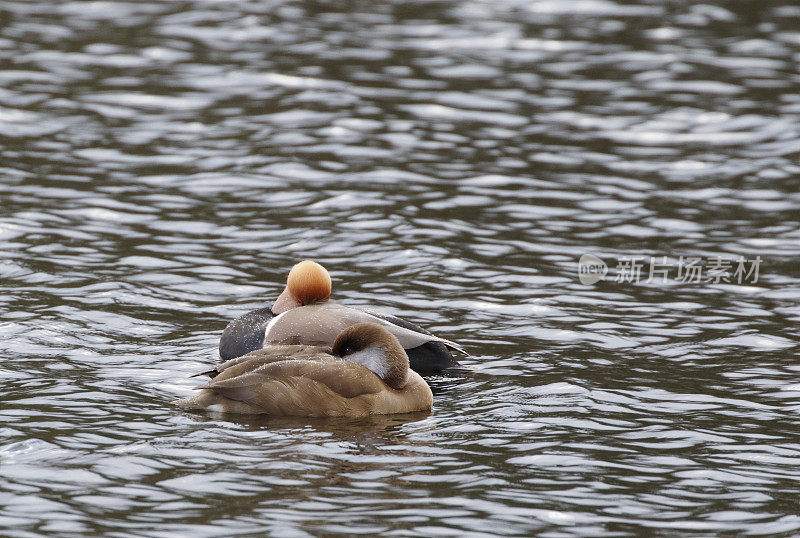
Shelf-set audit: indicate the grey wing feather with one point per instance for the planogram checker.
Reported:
(323, 322)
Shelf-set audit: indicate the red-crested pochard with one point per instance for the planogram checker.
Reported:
(318, 320)
(365, 373)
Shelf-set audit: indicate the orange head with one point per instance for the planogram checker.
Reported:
(308, 283)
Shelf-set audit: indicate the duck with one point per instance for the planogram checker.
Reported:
(309, 285)
(365, 372)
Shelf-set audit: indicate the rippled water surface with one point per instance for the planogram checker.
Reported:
(164, 164)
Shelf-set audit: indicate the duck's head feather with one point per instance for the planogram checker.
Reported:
(308, 283)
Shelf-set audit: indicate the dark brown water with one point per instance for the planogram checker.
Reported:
(163, 164)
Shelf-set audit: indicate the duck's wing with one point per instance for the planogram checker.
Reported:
(271, 353)
(400, 322)
(345, 378)
(323, 323)
(298, 387)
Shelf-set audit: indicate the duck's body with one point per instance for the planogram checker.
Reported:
(309, 284)
(365, 372)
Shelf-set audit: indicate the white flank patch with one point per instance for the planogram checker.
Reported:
(270, 325)
(219, 408)
(373, 358)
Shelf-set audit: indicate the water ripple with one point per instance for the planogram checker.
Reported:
(165, 164)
